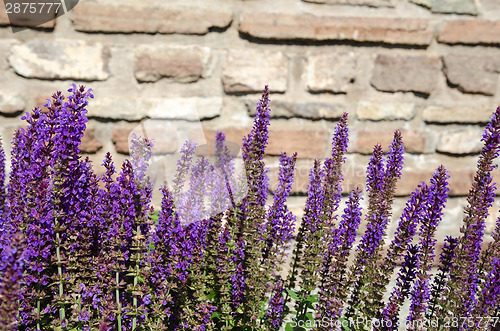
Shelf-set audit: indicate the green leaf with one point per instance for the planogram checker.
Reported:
(292, 294)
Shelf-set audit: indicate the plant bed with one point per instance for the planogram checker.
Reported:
(88, 252)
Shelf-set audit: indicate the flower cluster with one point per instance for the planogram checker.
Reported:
(86, 252)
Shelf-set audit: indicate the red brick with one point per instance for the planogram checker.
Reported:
(89, 142)
(412, 31)
(365, 138)
(98, 17)
(182, 64)
(120, 139)
(310, 144)
(470, 32)
(393, 73)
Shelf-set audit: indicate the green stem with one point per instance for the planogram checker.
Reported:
(119, 317)
(62, 312)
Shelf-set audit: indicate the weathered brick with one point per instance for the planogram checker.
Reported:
(460, 181)
(28, 20)
(180, 63)
(460, 113)
(310, 110)
(394, 73)
(450, 6)
(370, 3)
(60, 59)
(90, 144)
(376, 111)
(472, 74)
(250, 70)
(121, 18)
(331, 71)
(464, 141)
(120, 139)
(164, 135)
(134, 109)
(365, 138)
(470, 32)
(165, 141)
(11, 104)
(309, 144)
(411, 31)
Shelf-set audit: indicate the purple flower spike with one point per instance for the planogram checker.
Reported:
(279, 227)
(12, 268)
(402, 289)
(2, 180)
(464, 274)
(274, 313)
(490, 296)
(333, 169)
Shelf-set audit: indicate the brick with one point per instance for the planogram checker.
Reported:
(365, 138)
(462, 113)
(61, 59)
(11, 104)
(180, 63)
(460, 181)
(470, 32)
(393, 73)
(120, 139)
(370, 3)
(28, 20)
(134, 109)
(90, 144)
(472, 74)
(310, 110)
(331, 71)
(411, 31)
(367, 110)
(450, 6)
(464, 141)
(250, 70)
(163, 134)
(307, 143)
(168, 19)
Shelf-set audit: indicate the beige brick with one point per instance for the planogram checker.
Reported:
(137, 108)
(180, 63)
(377, 111)
(370, 3)
(416, 73)
(460, 113)
(122, 18)
(462, 31)
(11, 104)
(463, 141)
(472, 74)
(302, 109)
(60, 59)
(412, 31)
(450, 6)
(331, 71)
(250, 70)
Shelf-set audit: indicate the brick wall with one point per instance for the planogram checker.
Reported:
(427, 67)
